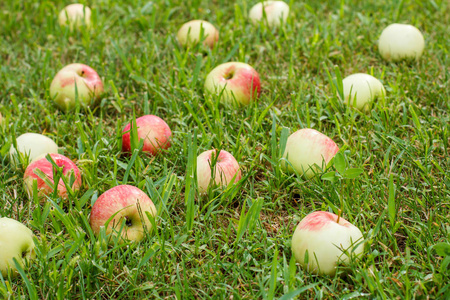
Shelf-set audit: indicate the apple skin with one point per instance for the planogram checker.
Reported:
(153, 129)
(87, 82)
(324, 239)
(16, 241)
(75, 16)
(189, 33)
(31, 145)
(276, 12)
(306, 148)
(225, 171)
(364, 87)
(234, 82)
(401, 42)
(69, 167)
(128, 203)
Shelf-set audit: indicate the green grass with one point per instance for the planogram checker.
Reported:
(236, 243)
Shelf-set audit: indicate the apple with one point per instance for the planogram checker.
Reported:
(308, 151)
(155, 132)
(30, 146)
(73, 79)
(361, 89)
(75, 16)
(16, 241)
(401, 42)
(69, 168)
(275, 12)
(125, 207)
(320, 242)
(225, 171)
(234, 82)
(191, 33)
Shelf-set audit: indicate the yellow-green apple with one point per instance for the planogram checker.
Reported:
(275, 12)
(320, 242)
(69, 170)
(401, 42)
(308, 151)
(124, 209)
(193, 31)
(16, 241)
(75, 16)
(216, 170)
(360, 90)
(29, 147)
(234, 82)
(155, 132)
(76, 80)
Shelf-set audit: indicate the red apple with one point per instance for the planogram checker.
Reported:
(308, 152)
(234, 82)
(68, 169)
(155, 132)
(124, 207)
(80, 78)
(225, 171)
(326, 242)
(189, 33)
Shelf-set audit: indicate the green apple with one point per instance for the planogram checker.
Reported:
(275, 12)
(16, 241)
(31, 146)
(75, 16)
(360, 90)
(401, 42)
(190, 33)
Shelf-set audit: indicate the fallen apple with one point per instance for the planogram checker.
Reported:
(75, 16)
(321, 242)
(308, 152)
(217, 171)
(76, 82)
(69, 169)
(29, 147)
(155, 132)
(16, 241)
(360, 90)
(123, 209)
(191, 33)
(234, 82)
(401, 42)
(275, 12)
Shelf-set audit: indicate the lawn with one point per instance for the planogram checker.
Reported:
(233, 243)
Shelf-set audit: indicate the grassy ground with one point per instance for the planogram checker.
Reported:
(234, 244)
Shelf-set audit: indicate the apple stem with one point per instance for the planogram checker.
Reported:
(339, 215)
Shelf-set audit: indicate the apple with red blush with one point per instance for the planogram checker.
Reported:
(45, 187)
(322, 241)
(123, 211)
(76, 82)
(153, 130)
(308, 151)
(234, 83)
(216, 170)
